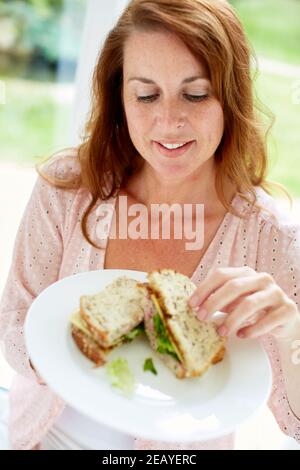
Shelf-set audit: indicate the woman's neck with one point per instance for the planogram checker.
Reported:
(146, 187)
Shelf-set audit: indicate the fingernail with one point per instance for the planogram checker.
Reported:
(194, 301)
(201, 313)
(222, 330)
(241, 334)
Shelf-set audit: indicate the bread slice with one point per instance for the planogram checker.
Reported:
(88, 346)
(114, 311)
(197, 342)
(85, 340)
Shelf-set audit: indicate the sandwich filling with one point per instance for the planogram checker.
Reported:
(164, 342)
(81, 325)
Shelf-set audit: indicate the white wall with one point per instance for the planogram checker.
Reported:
(101, 15)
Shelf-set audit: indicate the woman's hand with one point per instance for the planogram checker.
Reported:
(255, 304)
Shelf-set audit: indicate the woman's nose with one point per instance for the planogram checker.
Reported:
(171, 115)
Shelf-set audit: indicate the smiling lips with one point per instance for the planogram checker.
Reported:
(176, 152)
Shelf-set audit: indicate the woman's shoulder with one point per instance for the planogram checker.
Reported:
(58, 183)
(274, 214)
(278, 213)
(62, 165)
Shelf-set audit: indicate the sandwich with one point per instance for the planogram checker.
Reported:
(187, 345)
(109, 318)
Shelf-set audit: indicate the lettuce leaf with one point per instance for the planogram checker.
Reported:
(148, 365)
(138, 330)
(120, 375)
(164, 345)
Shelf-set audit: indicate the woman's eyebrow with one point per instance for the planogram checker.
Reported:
(152, 82)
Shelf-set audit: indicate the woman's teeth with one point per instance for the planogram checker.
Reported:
(172, 150)
(173, 146)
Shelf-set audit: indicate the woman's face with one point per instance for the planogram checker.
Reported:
(164, 103)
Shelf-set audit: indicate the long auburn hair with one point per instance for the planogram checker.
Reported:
(213, 33)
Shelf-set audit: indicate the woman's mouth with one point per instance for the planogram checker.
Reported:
(176, 152)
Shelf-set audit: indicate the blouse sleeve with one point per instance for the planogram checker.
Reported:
(279, 254)
(36, 261)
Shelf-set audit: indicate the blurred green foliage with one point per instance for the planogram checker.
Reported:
(34, 122)
(276, 92)
(38, 39)
(273, 27)
(32, 34)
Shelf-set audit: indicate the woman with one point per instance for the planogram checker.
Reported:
(169, 73)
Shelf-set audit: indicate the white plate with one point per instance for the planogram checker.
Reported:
(163, 407)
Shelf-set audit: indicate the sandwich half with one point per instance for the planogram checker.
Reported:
(187, 345)
(109, 318)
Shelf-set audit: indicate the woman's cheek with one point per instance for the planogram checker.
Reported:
(139, 126)
(212, 121)
(137, 117)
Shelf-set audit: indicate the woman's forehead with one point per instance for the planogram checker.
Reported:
(146, 54)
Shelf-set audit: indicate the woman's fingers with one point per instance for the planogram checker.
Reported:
(250, 306)
(215, 280)
(254, 303)
(232, 291)
(273, 323)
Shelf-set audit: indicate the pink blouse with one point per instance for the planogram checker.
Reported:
(50, 246)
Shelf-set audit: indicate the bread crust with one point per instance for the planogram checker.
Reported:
(89, 347)
(220, 354)
(97, 333)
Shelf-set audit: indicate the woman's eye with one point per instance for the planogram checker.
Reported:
(196, 97)
(147, 99)
(151, 98)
